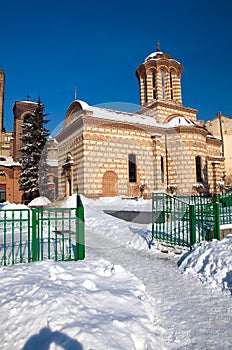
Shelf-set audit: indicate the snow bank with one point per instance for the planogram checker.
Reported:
(114, 203)
(13, 206)
(89, 304)
(39, 202)
(211, 262)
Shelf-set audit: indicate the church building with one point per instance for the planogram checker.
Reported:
(106, 152)
(161, 147)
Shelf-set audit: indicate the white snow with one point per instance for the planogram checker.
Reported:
(211, 262)
(52, 162)
(39, 202)
(153, 55)
(125, 117)
(123, 295)
(8, 162)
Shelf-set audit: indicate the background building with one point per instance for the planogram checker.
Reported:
(221, 127)
(10, 150)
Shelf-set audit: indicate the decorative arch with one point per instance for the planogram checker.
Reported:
(179, 119)
(110, 184)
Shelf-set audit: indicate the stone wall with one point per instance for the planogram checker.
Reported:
(214, 127)
(100, 150)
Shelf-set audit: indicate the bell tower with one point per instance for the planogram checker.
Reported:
(159, 79)
(2, 86)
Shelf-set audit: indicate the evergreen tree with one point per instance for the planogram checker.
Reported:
(34, 139)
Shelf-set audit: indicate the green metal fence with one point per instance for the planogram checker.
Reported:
(38, 234)
(15, 236)
(172, 220)
(186, 220)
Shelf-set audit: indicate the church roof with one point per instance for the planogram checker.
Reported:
(156, 55)
(119, 116)
(8, 162)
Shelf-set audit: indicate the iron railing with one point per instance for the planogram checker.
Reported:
(185, 220)
(43, 233)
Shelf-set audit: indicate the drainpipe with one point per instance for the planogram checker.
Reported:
(166, 156)
(219, 115)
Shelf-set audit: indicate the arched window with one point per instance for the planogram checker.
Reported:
(26, 119)
(198, 169)
(154, 85)
(163, 83)
(132, 168)
(145, 88)
(171, 84)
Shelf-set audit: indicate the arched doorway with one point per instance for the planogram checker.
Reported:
(110, 184)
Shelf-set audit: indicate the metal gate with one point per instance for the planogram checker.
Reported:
(44, 233)
(186, 220)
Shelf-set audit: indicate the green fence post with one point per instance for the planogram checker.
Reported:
(34, 236)
(216, 207)
(152, 227)
(80, 239)
(192, 224)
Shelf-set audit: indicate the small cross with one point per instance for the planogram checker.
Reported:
(75, 94)
(158, 46)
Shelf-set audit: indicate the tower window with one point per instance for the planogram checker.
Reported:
(154, 85)
(171, 85)
(132, 167)
(198, 169)
(145, 88)
(163, 83)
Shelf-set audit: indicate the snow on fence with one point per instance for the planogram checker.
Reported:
(184, 221)
(51, 233)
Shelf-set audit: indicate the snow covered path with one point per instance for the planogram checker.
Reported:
(193, 316)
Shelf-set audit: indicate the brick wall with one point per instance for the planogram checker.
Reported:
(20, 110)
(100, 148)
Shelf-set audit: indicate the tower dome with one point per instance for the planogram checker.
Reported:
(159, 79)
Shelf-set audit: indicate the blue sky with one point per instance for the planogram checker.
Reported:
(50, 47)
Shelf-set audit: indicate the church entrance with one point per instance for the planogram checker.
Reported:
(110, 184)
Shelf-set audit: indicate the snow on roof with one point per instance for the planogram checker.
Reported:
(83, 104)
(126, 117)
(8, 162)
(179, 121)
(209, 136)
(157, 55)
(153, 55)
(50, 138)
(34, 103)
(52, 162)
